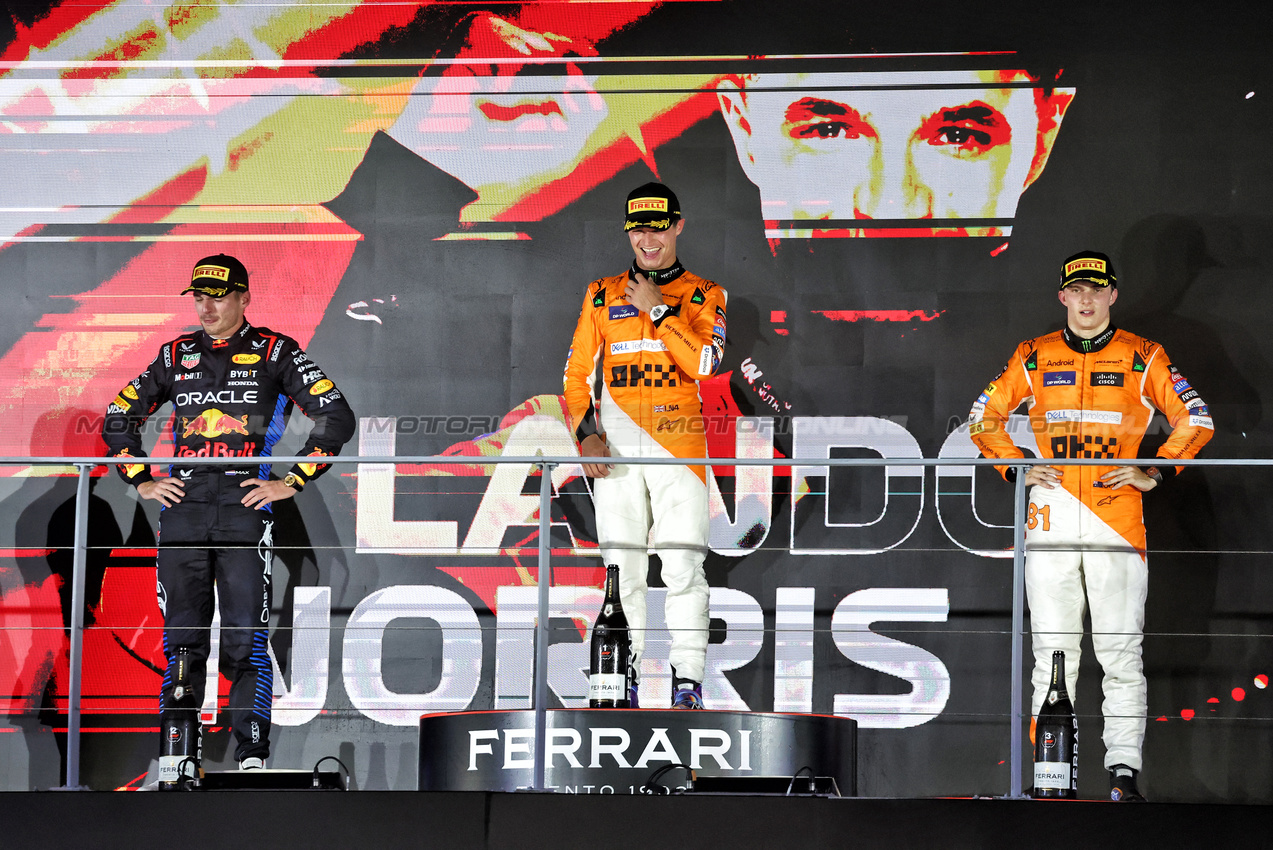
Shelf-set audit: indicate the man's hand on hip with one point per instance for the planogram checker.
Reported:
(1129, 475)
(168, 491)
(264, 492)
(1043, 475)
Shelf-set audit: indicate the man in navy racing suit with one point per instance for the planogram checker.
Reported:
(232, 386)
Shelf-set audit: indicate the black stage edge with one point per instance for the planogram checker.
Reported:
(273, 780)
(525, 821)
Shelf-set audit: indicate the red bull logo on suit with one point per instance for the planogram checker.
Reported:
(214, 422)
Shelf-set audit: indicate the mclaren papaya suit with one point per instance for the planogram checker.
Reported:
(649, 407)
(1085, 542)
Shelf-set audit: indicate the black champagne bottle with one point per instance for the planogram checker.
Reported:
(1056, 740)
(181, 740)
(608, 673)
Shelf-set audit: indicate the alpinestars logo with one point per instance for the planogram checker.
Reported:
(265, 550)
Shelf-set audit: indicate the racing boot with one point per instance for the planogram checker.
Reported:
(1122, 785)
(686, 693)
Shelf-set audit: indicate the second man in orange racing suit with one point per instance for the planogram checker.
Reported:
(1091, 391)
(651, 334)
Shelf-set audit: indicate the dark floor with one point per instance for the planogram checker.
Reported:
(277, 819)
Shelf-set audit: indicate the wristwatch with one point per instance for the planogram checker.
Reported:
(294, 481)
(658, 312)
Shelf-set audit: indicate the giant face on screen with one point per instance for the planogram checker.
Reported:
(512, 122)
(892, 153)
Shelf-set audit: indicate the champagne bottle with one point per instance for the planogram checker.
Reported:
(181, 741)
(1056, 740)
(608, 674)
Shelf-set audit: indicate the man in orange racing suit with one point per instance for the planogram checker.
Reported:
(652, 333)
(232, 386)
(1091, 391)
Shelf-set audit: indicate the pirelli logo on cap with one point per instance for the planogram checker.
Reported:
(647, 205)
(1087, 264)
(218, 272)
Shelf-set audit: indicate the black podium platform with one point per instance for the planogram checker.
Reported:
(492, 821)
(617, 751)
(273, 780)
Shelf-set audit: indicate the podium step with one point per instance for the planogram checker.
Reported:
(273, 780)
(818, 786)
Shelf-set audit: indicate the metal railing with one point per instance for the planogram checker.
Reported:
(85, 466)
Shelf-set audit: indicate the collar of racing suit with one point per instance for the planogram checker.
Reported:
(241, 333)
(1087, 346)
(658, 276)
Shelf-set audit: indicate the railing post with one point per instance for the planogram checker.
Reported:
(78, 572)
(1018, 630)
(541, 625)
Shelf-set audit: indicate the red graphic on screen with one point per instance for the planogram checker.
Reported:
(880, 315)
(83, 356)
(186, 134)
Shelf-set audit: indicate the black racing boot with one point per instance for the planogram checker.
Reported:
(1122, 785)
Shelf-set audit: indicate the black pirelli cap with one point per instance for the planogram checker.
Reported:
(652, 205)
(218, 275)
(1089, 267)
